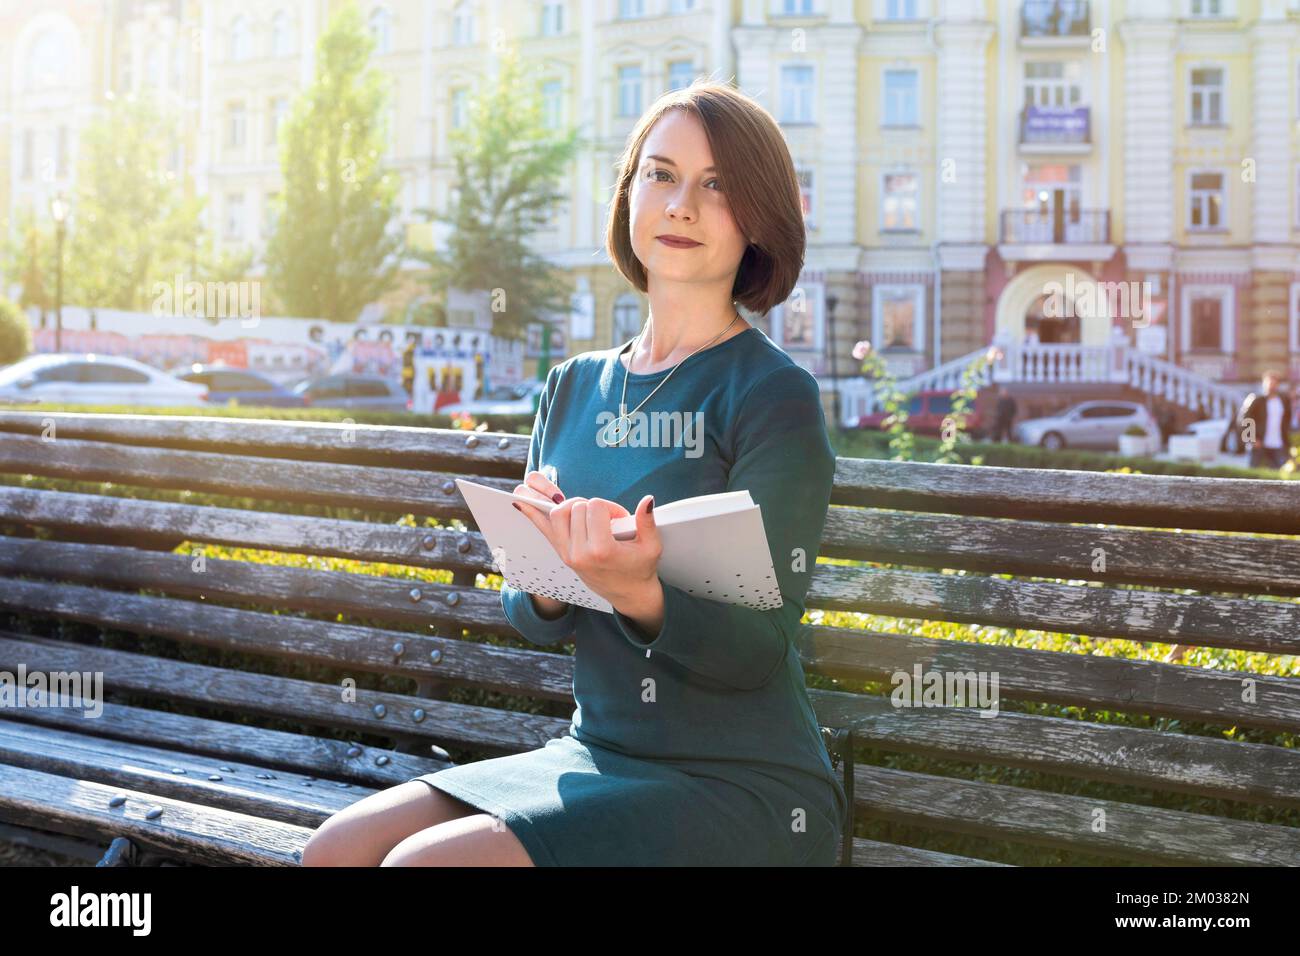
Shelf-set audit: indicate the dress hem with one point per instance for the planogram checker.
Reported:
(520, 824)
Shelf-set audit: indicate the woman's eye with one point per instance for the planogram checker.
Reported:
(656, 172)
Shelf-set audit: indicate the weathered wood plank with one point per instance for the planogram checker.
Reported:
(343, 646)
(1109, 683)
(875, 853)
(204, 834)
(1206, 562)
(1142, 834)
(1271, 627)
(1156, 759)
(1157, 558)
(322, 705)
(992, 491)
(302, 755)
(398, 490)
(287, 797)
(398, 446)
(1055, 494)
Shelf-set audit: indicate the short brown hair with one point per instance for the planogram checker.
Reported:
(757, 175)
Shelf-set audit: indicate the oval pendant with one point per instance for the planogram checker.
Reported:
(616, 431)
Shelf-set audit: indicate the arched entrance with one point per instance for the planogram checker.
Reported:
(1026, 303)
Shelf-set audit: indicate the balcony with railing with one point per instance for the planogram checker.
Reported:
(1065, 226)
(1054, 19)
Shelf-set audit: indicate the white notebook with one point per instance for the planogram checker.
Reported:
(714, 547)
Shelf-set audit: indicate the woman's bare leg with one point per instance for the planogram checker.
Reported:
(363, 833)
(477, 840)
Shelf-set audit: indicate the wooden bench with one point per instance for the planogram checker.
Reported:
(231, 761)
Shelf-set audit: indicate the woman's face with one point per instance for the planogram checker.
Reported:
(675, 192)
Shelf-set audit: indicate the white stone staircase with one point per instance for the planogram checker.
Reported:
(1118, 364)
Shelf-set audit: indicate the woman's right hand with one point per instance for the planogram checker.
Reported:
(537, 485)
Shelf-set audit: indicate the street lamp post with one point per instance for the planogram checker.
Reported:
(59, 210)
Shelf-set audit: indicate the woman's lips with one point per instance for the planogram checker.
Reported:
(677, 243)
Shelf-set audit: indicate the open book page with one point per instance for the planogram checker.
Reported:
(716, 548)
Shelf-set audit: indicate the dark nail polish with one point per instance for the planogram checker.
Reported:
(650, 507)
(516, 504)
(557, 497)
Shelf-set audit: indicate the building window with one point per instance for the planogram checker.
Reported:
(797, 322)
(552, 104)
(47, 57)
(282, 38)
(1205, 8)
(241, 46)
(1052, 83)
(1208, 318)
(29, 153)
(276, 116)
(898, 317)
(627, 318)
(462, 25)
(680, 74)
(797, 8)
(235, 129)
(898, 202)
(681, 6)
(234, 215)
(459, 104)
(900, 10)
(629, 9)
(1205, 201)
(796, 93)
(1206, 96)
(153, 68)
(552, 19)
(381, 29)
(805, 176)
(901, 98)
(629, 91)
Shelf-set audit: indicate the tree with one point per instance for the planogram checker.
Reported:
(15, 333)
(131, 225)
(28, 259)
(507, 164)
(331, 252)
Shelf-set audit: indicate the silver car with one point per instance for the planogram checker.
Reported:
(1086, 425)
(92, 379)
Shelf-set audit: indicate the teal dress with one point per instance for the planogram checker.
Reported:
(698, 747)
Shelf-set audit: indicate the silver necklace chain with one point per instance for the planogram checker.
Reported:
(623, 415)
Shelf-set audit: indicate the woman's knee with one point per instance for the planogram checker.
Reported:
(478, 840)
(361, 834)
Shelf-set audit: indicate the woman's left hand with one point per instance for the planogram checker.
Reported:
(621, 572)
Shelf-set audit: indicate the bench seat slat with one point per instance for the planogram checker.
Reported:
(1142, 834)
(875, 853)
(288, 797)
(224, 741)
(445, 722)
(204, 834)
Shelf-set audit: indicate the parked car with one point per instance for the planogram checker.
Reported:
(240, 385)
(1096, 424)
(926, 412)
(93, 379)
(519, 399)
(349, 390)
(1223, 429)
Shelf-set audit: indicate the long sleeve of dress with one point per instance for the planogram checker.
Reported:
(784, 459)
(517, 604)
